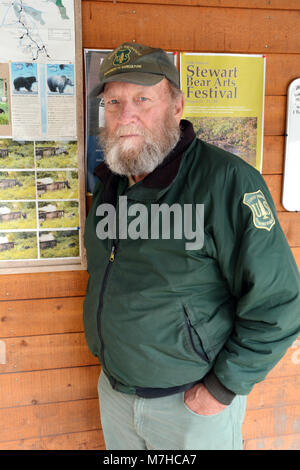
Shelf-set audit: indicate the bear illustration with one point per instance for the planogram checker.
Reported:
(58, 83)
(24, 82)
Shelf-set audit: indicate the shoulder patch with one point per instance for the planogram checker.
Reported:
(262, 215)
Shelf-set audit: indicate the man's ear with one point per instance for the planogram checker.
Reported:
(178, 107)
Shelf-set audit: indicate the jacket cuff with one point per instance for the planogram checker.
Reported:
(217, 389)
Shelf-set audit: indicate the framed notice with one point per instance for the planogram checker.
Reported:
(224, 99)
(42, 177)
(95, 112)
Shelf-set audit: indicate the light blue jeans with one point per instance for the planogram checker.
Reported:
(133, 423)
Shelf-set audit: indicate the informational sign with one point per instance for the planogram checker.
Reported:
(43, 101)
(224, 99)
(37, 30)
(39, 200)
(94, 113)
(291, 187)
(40, 203)
(95, 118)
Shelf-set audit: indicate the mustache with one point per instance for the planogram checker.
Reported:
(129, 129)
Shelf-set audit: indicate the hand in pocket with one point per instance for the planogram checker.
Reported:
(200, 401)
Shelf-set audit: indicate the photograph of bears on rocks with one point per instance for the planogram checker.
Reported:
(48, 385)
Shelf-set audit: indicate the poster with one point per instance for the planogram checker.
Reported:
(39, 184)
(5, 103)
(43, 100)
(95, 112)
(37, 30)
(224, 99)
(39, 200)
(37, 72)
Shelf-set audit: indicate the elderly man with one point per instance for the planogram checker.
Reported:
(183, 327)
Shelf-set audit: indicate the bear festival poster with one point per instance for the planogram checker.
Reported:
(224, 99)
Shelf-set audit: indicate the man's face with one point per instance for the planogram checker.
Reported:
(142, 126)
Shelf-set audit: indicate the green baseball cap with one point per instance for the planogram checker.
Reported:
(139, 64)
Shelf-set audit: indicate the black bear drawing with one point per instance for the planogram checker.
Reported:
(58, 83)
(24, 82)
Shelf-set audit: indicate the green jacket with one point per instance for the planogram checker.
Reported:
(159, 315)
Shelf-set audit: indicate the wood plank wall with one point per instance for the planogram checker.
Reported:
(48, 396)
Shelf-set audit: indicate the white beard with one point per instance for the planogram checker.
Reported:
(126, 157)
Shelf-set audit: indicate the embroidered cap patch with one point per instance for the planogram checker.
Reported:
(261, 212)
(122, 56)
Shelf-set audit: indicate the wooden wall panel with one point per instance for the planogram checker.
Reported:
(48, 385)
(275, 115)
(190, 29)
(264, 4)
(273, 150)
(281, 70)
(274, 183)
(272, 421)
(289, 442)
(279, 391)
(43, 285)
(296, 253)
(48, 420)
(290, 224)
(89, 440)
(46, 352)
(41, 316)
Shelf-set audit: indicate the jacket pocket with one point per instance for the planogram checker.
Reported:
(195, 339)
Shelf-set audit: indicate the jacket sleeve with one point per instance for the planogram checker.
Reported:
(262, 275)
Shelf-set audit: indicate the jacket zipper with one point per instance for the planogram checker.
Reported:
(190, 328)
(112, 256)
(104, 282)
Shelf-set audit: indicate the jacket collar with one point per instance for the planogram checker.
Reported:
(159, 179)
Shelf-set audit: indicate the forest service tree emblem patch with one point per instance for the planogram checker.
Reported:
(122, 56)
(261, 212)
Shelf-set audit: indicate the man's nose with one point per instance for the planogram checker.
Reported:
(128, 113)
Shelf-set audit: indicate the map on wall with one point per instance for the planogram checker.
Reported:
(36, 30)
